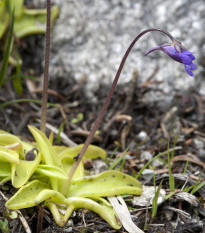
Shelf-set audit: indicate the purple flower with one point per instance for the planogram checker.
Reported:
(177, 52)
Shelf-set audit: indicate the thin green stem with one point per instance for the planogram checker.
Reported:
(46, 69)
(104, 107)
(25, 101)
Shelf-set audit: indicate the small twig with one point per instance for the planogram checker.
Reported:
(46, 69)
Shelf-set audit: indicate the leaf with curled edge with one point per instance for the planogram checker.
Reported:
(49, 155)
(32, 194)
(8, 155)
(33, 21)
(21, 172)
(51, 171)
(9, 140)
(93, 152)
(5, 169)
(99, 206)
(108, 183)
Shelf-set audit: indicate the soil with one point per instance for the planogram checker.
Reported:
(180, 123)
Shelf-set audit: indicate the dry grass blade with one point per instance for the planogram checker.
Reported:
(122, 211)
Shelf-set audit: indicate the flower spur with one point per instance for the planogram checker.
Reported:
(178, 53)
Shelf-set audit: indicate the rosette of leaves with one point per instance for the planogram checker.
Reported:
(40, 170)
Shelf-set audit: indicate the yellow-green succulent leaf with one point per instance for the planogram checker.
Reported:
(59, 149)
(21, 172)
(3, 180)
(51, 171)
(5, 169)
(49, 155)
(7, 139)
(61, 219)
(93, 152)
(68, 163)
(45, 147)
(101, 208)
(32, 194)
(108, 183)
(4, 18)
(8, 155)
(33, 21)
(16, 6)
(51, 137)
(27, 146)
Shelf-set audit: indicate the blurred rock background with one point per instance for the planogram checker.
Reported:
(90, 38)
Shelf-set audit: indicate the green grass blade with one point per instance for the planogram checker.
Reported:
(118, 160)
(195, 189)
(195, 185)
(22, 76)
(171, 177)
(24, 101)
(7, 52)
(186, 165)
(17, 82)
(61, 128)
(155, 199)
(146, 165)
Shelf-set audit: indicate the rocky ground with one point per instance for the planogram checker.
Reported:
(154, 101)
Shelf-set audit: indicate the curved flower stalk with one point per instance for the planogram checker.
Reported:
(178, 53)
(175, 50)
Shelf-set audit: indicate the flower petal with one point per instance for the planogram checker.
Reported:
(192, 56)
(187, 68)
(192, 67)
(185, 59)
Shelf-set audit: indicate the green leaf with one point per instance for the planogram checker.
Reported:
(21, 172)
(4, 18)
(33, 21)
(16, 6)
(17, 82)
(8, 155)
(8, 140)
(32, 194)
(48, 153)
(68, 163)
(51, 171)
(5, 169)
(4, 180)
(196, 188)
(155, 199)
(108, 183)
(93, 152)
(7, 51)
(58, 138)
(4, 226)
(101, 208)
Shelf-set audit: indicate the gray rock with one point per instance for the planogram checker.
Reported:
(90, 37)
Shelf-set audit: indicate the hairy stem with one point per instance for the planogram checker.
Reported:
(46, 69)
(104, 107)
